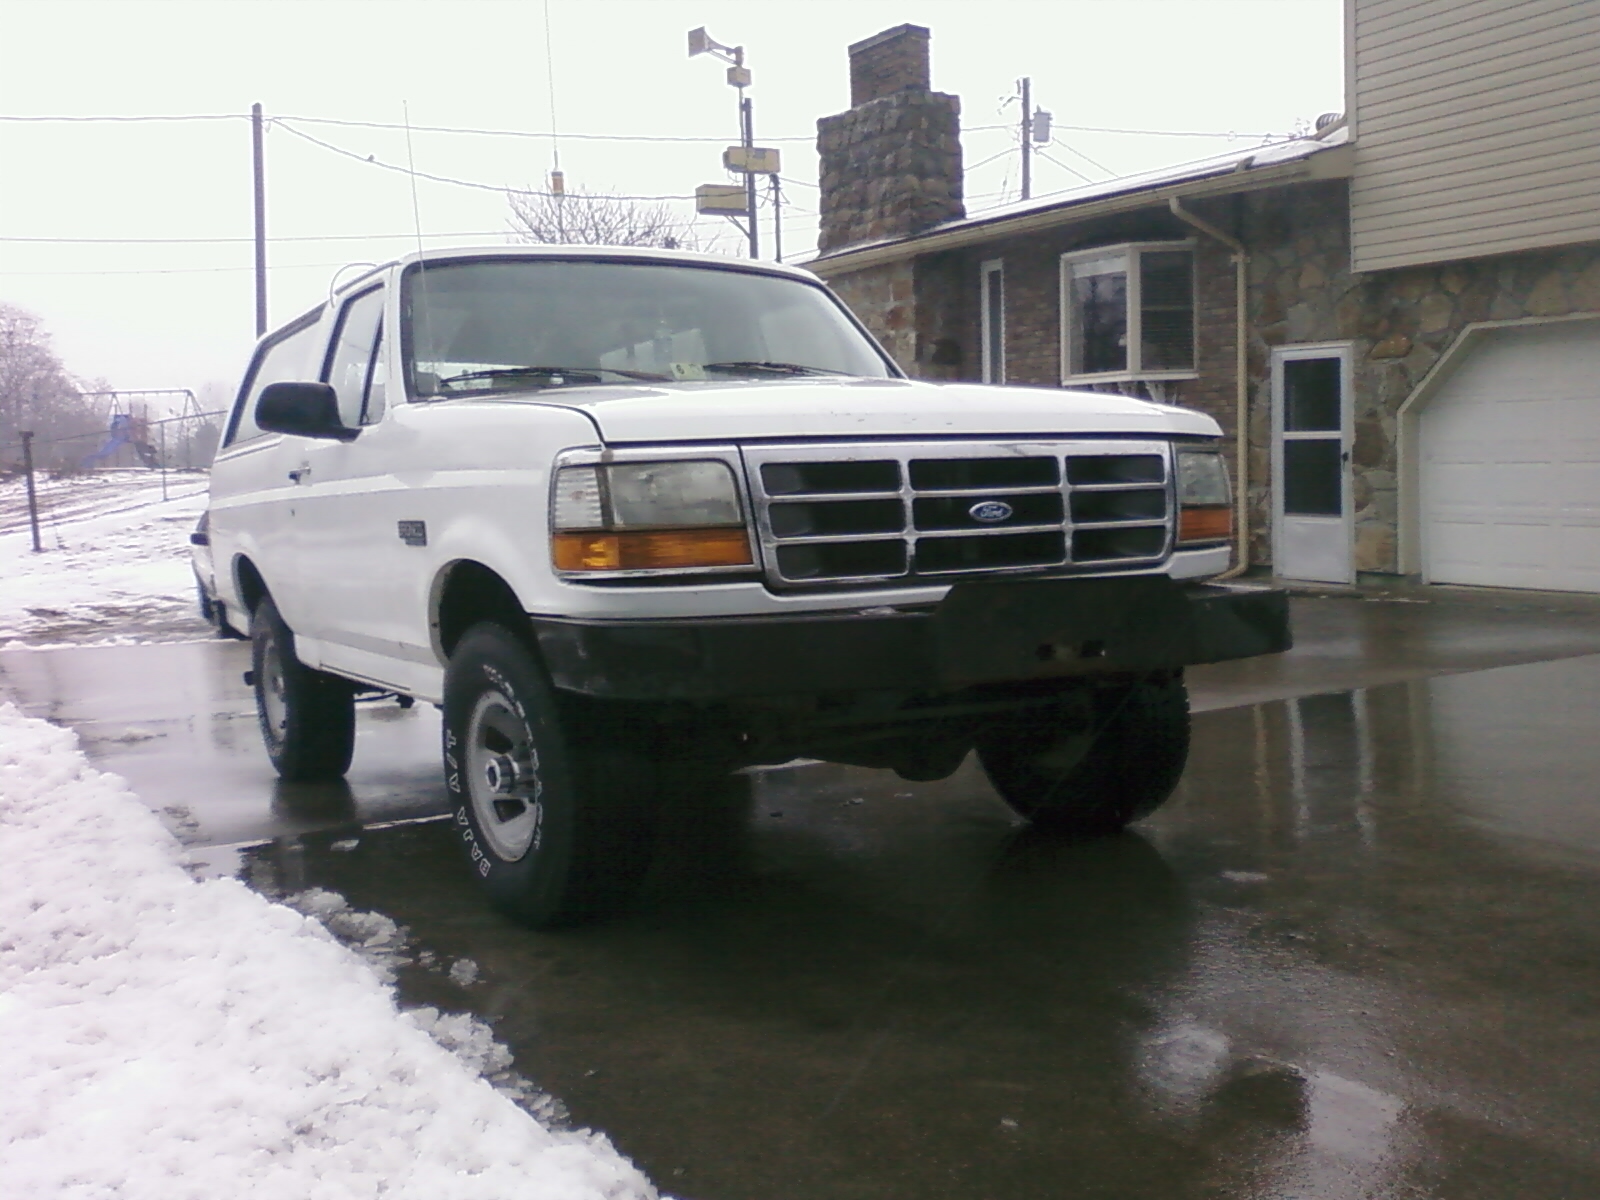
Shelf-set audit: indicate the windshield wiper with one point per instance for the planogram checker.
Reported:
(557, 376)
(770, 368)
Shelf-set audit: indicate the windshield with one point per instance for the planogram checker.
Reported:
(503, 324)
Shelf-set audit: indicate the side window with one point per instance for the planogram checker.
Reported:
(289, 357)
(350, 357)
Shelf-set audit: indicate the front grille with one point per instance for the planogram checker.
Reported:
(838, 515)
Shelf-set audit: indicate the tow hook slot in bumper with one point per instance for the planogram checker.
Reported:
(1020, 630)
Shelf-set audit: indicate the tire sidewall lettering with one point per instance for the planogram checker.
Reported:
(483, 859)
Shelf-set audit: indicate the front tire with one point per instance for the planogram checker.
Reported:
(1115, 765)
(308, 717)
(556, 814)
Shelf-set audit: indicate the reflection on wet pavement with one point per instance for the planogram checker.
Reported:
(1358, 955)
(178, 722)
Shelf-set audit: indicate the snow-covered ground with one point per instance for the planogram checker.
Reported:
(115, 565)
(164, 1037)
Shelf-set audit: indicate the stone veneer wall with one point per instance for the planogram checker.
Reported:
(884, 299)
(1301, 291)
(889, 168)
(1399, 322)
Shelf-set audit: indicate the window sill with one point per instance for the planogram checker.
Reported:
(1130, 377)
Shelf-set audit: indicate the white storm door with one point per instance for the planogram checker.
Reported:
(1311, 434)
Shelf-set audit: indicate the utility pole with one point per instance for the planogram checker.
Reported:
(777, 219)
(747, 139)
(258, 156)
(1027, 138)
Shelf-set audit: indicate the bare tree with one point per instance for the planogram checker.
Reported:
(36, 392)
(597, 219)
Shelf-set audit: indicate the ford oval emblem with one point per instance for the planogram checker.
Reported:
(990, 512)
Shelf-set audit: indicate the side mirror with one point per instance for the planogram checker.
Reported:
(307, 409)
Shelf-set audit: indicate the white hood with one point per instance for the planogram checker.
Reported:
(807, 408)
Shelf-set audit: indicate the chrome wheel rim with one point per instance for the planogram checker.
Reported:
(502, 768)
(273, 691)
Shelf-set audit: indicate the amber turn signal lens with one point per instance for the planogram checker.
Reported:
(1205, 523)
(651, 550)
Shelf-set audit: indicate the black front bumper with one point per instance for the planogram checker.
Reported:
(982, 632)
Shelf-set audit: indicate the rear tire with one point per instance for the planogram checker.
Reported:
(1094, 778)
(557, 814)
(308, 717)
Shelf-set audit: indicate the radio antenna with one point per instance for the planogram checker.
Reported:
(558, 181)
(420, 291)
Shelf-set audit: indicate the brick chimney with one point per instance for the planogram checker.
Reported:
(891, 165)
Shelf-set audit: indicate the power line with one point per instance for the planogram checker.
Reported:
(1100, 166)
(220, 241)
(451, 129)
(503, 189)
(1166, 132)
(535, 134)
(1074, 170)
(182, 270)
(588, 137)
(985, 162)
(134, 119)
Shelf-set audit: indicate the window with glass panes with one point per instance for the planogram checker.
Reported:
(1128, 311)
(993, 320)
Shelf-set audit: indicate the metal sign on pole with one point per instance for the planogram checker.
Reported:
(721, 199)
(756, 160)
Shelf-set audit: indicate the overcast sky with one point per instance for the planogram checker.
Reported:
(179, 312)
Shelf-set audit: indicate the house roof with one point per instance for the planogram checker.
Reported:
(1322, 157)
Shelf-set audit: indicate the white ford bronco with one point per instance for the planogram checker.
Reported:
(632, 516)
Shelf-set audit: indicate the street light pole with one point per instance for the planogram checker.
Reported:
(747, 139)
(701, 42)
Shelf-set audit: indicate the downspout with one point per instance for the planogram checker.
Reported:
(1241, 435)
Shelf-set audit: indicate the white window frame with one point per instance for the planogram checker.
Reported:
(993, 372)
(1132, 251)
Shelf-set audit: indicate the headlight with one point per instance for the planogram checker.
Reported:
(658, 516)
(1205, 500)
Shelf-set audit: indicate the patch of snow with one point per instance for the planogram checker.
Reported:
(464, 972)
(167, 1038)
(115, 568)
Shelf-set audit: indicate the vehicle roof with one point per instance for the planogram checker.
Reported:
(688, 258)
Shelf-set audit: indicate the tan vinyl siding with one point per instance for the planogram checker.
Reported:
(1477, 128)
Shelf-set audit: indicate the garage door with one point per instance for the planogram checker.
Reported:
(1510, 463)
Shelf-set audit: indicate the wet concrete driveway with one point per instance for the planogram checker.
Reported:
(1358, 955)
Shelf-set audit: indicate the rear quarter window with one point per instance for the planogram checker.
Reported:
(286, 356)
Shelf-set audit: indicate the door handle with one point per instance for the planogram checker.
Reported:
(299, 473)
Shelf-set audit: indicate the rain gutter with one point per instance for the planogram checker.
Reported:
(1241, 416)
